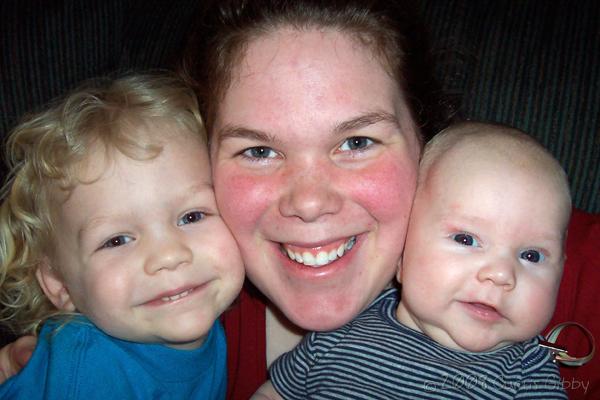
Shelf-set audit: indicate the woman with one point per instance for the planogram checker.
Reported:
(315, 111)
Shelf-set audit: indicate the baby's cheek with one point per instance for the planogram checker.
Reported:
(537, 309)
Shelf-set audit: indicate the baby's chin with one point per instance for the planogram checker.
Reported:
(481, 344)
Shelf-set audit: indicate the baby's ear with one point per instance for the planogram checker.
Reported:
(53, 286)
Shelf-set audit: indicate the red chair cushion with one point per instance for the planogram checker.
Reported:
(578, 301)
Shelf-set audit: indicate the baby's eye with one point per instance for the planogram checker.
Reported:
(191, 218)
(116, 241)
(259, 152)
(532, 256)
(356, 143)
(465, 239)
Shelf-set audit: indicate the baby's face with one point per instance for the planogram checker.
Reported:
(484, 253)
(143, 251)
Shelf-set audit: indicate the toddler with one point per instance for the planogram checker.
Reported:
(111, 241)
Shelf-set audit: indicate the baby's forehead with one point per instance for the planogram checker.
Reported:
(495, 153)
(494, 150)
(497, 158)
(489, 144)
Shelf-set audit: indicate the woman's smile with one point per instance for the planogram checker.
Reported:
(321, 255)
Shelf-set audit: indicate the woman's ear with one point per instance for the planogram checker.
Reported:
(53, 286)
(399, 271)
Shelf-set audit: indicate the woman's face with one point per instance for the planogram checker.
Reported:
(315, 160)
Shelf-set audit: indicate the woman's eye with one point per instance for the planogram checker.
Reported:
(532, 256)
(356, 143)
(259, 152)
(191, 218)
(465, 239)
(116, 241)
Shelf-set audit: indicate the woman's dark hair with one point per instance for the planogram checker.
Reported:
(393, 30)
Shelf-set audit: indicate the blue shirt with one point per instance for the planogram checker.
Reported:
(79, 361)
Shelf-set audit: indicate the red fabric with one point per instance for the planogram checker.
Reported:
(578, 302)
(244, 325)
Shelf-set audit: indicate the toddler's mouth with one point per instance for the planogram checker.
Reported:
(177, 296)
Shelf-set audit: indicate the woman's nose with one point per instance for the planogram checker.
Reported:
(167, 251)
(311, 193)
(500, 271)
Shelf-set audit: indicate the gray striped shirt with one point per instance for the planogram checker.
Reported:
(376, 357)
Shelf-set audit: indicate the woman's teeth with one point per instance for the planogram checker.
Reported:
(322, 257)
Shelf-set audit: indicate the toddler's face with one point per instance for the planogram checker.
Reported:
(143, 251)
(484, 254)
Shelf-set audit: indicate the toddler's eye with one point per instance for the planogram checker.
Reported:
(356, 143)
(465, 239)
(116, 241)
(259, 152)
(190, 218)
(532, 256)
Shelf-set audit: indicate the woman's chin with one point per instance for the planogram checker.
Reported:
(320, 315)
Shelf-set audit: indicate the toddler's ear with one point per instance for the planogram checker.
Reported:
(53, 286)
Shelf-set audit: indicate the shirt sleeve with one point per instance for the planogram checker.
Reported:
(289, 372)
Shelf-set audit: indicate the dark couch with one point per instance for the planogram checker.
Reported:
(533, 64)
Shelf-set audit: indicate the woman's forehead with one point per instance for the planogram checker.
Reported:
(289, 76)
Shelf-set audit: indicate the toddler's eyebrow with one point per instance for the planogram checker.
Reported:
(92, 224)
(96, 221)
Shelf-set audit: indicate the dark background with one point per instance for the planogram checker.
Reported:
(533, 64)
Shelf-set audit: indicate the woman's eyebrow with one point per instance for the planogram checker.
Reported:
(365, 120)
(231, 132)
(361, 121)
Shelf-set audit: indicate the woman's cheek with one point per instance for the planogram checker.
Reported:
(242, 199)
(386, 190)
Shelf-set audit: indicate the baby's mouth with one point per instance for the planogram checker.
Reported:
(318, 256)
(484, 310)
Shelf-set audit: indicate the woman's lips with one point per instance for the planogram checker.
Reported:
(318, 256)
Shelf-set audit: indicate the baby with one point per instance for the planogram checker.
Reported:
(480, 275)
(111, 241)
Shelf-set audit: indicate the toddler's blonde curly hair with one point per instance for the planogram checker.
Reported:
(43, 154)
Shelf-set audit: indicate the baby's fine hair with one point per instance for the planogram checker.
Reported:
(493, 137)
(44, 153)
